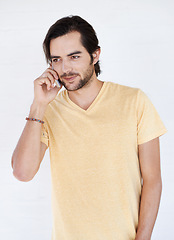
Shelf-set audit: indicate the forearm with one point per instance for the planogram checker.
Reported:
(26, 156)
(150, 200)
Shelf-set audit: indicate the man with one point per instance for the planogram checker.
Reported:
(103, 139)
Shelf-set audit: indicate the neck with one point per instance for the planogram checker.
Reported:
(85, 96)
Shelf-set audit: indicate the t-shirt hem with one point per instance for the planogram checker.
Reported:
(44, 141)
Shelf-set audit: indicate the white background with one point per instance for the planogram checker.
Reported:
(136, 39)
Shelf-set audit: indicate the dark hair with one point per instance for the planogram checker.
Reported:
(69, 24)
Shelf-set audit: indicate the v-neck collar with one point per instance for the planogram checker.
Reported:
(92, 104)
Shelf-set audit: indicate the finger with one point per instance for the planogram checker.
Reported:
(53, 72)
(46, 81)
(49, 70)
(50, 77)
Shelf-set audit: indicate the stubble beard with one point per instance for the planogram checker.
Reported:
(82, 82)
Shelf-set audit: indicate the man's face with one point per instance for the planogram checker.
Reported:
(71, 61)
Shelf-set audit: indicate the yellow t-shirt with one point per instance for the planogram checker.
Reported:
(96, 180)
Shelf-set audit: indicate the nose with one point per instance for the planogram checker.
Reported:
(66, 66)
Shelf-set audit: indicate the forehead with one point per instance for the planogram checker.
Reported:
(66, 44)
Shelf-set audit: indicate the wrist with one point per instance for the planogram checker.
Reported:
(37, 110)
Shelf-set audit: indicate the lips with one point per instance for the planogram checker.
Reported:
(70, 78)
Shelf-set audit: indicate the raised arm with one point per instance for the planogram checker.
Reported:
(29, 151)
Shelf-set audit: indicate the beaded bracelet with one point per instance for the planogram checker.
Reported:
(34, 119)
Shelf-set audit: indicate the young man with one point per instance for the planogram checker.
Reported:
(103, 140)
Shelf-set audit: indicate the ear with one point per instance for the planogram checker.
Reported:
(96, 55)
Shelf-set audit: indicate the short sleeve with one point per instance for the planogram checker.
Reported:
(149, 123)
(44, 133)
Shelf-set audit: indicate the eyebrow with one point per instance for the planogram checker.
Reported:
(70, 54)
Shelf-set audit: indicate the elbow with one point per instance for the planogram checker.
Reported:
(161, 185)
(22, 177)
(153, 183)
(19, 173)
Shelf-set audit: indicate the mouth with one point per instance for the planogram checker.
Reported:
(69, 78)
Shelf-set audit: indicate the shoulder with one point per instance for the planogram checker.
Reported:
(123, 90)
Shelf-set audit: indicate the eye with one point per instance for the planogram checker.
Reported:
(75, 57)
(55, 60)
